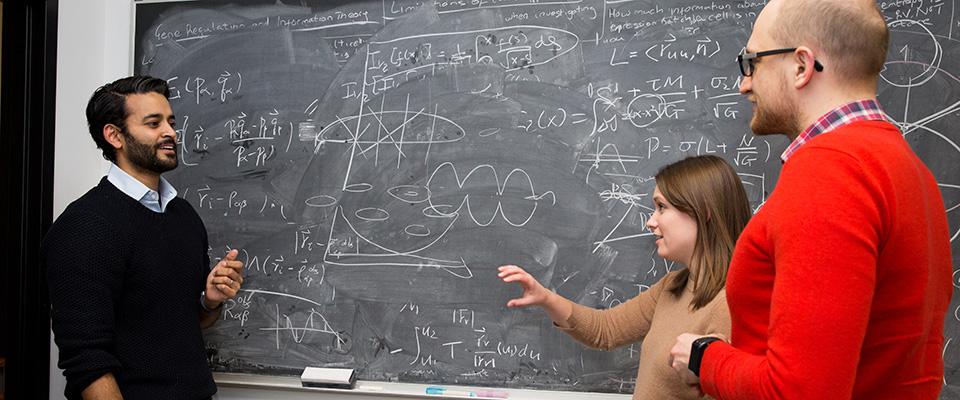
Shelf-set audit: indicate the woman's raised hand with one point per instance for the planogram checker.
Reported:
(534, 294)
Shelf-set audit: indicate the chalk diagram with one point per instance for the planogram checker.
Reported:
(313, 323)
(922, 55)
(444, 192)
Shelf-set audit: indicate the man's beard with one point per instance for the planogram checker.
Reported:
(775, 116)
(145, 156)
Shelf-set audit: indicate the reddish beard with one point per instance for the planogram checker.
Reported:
(775, 115)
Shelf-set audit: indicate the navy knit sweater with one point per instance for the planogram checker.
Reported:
(125, 284)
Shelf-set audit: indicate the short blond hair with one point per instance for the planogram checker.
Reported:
(852, 34)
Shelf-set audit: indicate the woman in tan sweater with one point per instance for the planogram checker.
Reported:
(700, 210)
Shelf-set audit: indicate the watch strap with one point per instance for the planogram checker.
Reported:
(697, 349)
(204, 306)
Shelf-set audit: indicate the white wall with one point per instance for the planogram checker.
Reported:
(94, 47)
(83, 64)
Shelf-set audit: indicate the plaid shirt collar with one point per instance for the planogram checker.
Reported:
(861, 110)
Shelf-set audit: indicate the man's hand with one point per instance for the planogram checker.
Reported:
(680, 358)
(224, 280)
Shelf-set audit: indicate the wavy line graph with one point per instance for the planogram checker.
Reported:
(484, 182)
(285, 323)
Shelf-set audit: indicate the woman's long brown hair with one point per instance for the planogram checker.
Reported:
(709, 190)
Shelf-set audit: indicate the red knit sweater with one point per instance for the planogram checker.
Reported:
(840, 284)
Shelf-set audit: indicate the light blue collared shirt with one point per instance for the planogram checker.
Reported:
(156, 202)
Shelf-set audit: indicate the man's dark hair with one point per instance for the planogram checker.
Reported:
(108, 105)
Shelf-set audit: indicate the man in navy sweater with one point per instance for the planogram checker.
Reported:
(130, 278)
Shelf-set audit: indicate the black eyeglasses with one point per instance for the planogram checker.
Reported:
(746, 60)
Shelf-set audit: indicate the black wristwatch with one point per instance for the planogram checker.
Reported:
(696, 352)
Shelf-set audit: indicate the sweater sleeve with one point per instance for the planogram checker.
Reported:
(618, 326)
(83, 258)
(825, 233)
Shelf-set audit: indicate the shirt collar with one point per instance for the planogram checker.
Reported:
(861, 110)
(140, 192)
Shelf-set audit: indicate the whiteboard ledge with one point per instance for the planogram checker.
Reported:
(394, 389)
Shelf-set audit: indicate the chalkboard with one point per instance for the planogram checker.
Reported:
(375, 161)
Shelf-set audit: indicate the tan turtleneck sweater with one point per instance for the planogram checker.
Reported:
(656, 317)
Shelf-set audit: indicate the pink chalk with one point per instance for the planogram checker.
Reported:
(491, 393)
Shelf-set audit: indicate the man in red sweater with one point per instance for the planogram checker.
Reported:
(840, 284)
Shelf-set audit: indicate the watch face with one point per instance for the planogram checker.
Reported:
(704, 341)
